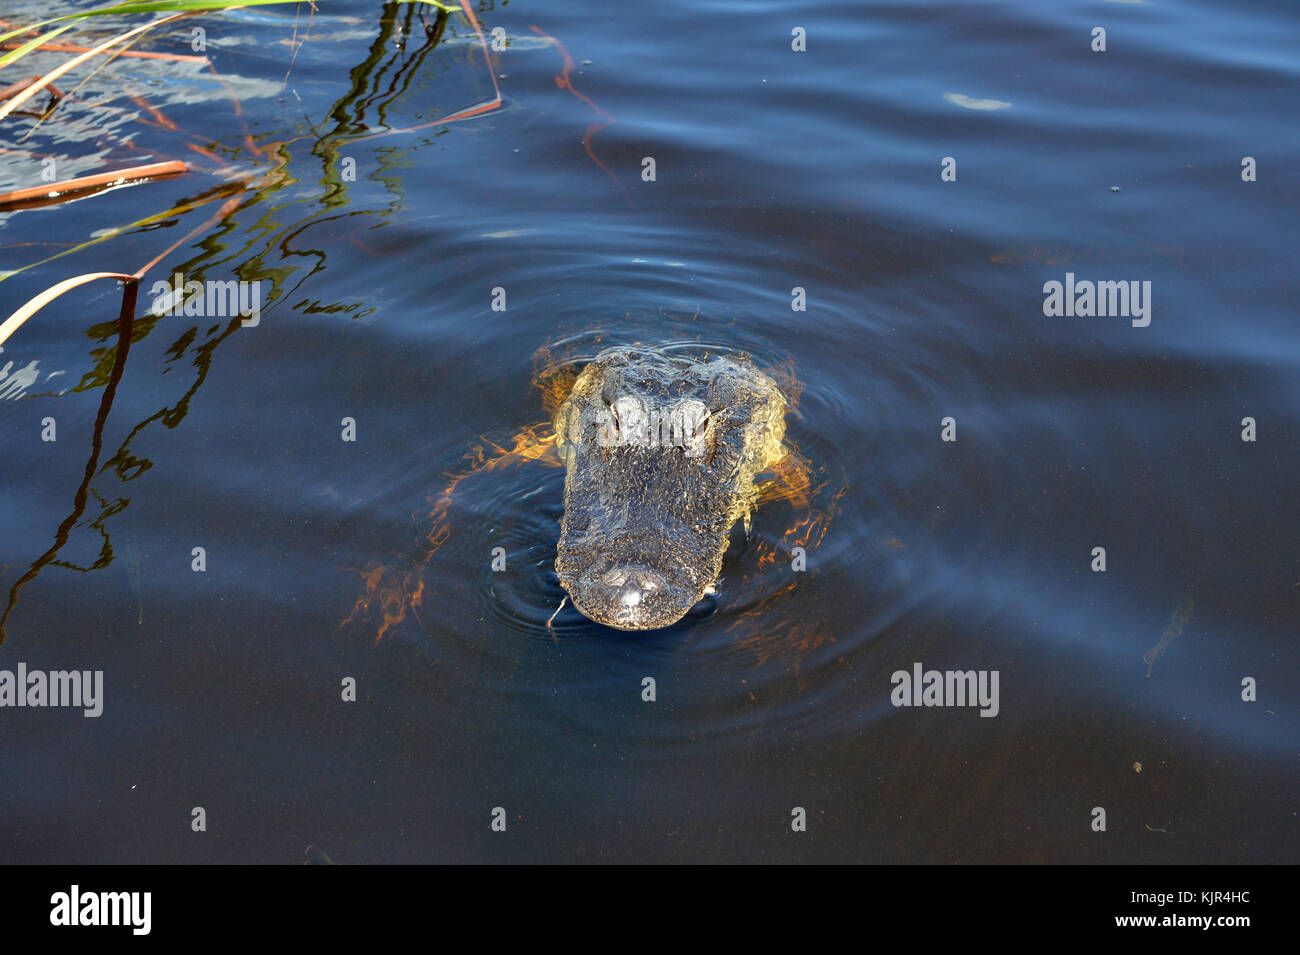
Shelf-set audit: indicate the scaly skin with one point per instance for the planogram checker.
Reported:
(648, 512)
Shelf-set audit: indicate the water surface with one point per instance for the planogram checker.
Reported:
(774, 169)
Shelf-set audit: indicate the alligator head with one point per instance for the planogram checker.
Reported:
(660, 452)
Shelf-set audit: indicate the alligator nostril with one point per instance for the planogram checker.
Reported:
(627, 586)
(647, 581)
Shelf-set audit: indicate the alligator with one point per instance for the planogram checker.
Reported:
(661, 452)
(664, 451)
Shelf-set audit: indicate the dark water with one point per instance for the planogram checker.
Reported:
(773, 169)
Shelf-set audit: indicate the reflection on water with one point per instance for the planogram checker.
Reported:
(381, 255)
(124, 325)
(14, 382)
(217, 257)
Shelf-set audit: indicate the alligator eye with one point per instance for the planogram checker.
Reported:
(630, 420)
(701, 428)
(691, 423)
(606, 428)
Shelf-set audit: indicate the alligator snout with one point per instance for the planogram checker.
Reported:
(631, 597)
(630, 583)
